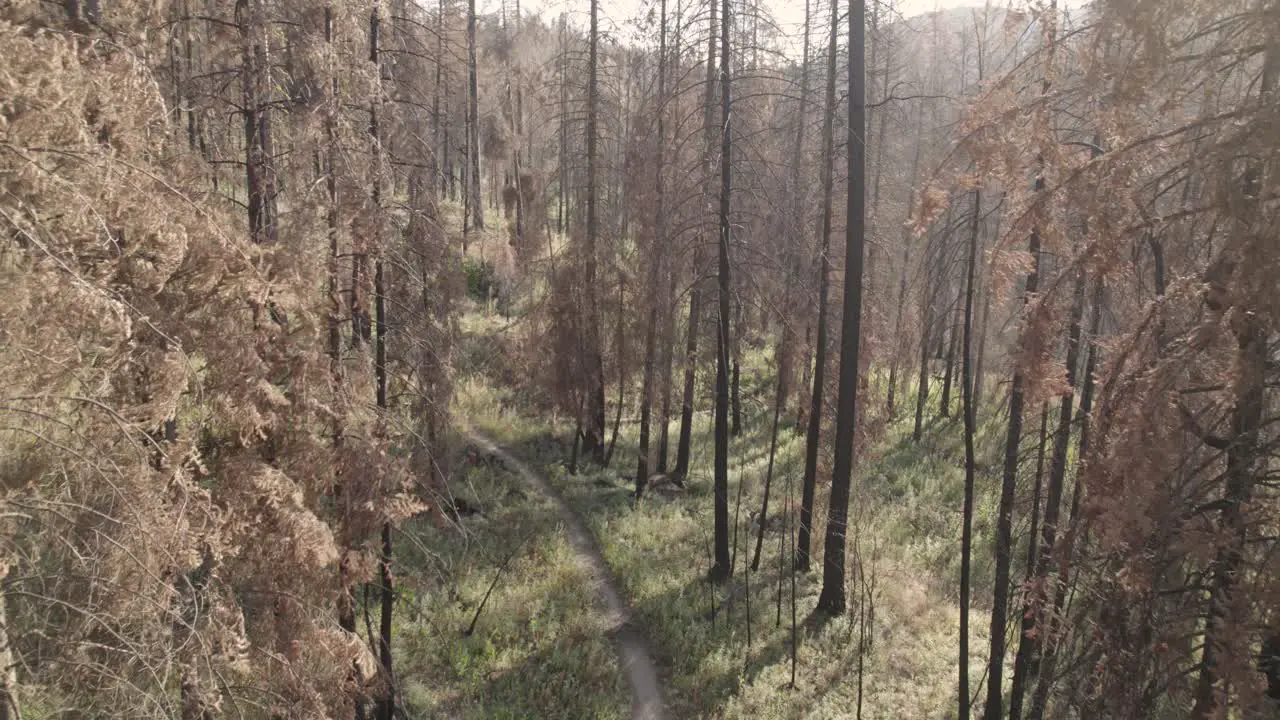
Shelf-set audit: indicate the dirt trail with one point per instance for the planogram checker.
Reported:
(633, 650)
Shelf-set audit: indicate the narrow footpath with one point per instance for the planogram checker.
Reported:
(629, 639)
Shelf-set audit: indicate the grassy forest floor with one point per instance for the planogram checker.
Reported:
(540, 646)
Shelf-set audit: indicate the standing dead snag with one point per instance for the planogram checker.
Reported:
(723, 563)
(809, 486)
(966, 542)
(832, 598)
(593, 443)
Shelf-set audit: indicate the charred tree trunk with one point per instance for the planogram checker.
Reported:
(620, 350)
(735, 384)
(895, 357)
(966, 397)
(1245, 457)
(695, 293)
(473, 123)
(9, 709)
(832, 598)
(809, 486)
(944, 405)
(778, 401)
(386, 702)
(1030, 644)
(787, 339)
(667, 381)
(994, 708)
(1040, 699)
(723, 562)
(593, 434)
(922, 378)
(656, 262)
(260, 174)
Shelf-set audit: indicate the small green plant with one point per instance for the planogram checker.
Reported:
(481, 278)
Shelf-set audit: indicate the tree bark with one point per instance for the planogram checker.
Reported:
(812, 438)
(966, 398)
(922, 378)
(723, 561)
(260, 173)
(1030, 644)
(994, 708)
(1040, 699)
(895, 356)
(778, 401)
(473, 123)
(695, 293)
(385, 707)
(620, 350)
(832, 598)
(656, 260)
(1245, 458)
(787, 339)
(9, 709)
(944, 404)
(593, 433)
(735, 384)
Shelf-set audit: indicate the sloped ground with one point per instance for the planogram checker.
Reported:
(542, 647)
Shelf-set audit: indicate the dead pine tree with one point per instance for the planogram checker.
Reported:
(722, 569)
(809, 485)
(832, 598)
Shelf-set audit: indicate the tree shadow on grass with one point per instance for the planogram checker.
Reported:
(703, 662)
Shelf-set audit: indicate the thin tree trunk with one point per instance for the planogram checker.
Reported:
(1027, 622)
(779, 399)
(690, 369)
(346, 594)
(656, 259)
(667, 345)
(386, 702)
(1040, 699)
(735, 399)
(944, 405)
(620, 349)
(1030, 644)
(979, 373)
(832, 598)
(9, 709)
(787, 339)
(994, 708)
(1057, 478)
(979, 368)
(806, 377)
(577, 441)
(593, 437)
(562, 220)
(966, 393)
(260, 174)
(473, 122)
(669, 306)
(722, 568)
(895, 356)
(922, 379)
(667, 359)
(807, 490)
(695, 293)
(1245, 459)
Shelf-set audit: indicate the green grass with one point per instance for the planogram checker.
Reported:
(906, 511)
(539, 648)
(539, 638)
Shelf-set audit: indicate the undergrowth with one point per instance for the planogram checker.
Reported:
(540, 648)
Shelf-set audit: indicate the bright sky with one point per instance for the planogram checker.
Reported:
(788, 13)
